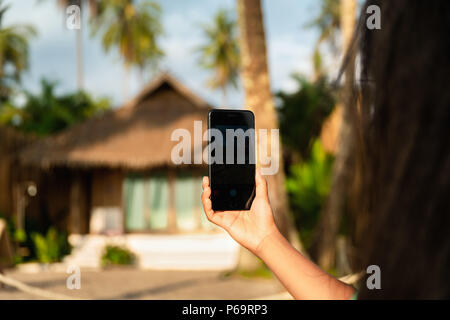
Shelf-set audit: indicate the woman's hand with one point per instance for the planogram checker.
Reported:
(249, 228)
(256, 230)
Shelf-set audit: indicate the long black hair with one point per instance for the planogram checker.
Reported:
(402, 164)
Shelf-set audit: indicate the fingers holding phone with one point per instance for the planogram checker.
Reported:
(248, 227)
(206, 201)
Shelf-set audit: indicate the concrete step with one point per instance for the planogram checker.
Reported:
(215, 251)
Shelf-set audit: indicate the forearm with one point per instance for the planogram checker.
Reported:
(301, 277)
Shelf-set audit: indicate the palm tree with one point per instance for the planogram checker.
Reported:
(259, 98)
(79, 36)
(328, 22)
(132, 28)
(14, 53)
(221, 52)
(331, 216)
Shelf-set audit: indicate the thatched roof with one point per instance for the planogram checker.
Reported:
(135, 136)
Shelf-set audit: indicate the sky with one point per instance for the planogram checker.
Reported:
(52, 52)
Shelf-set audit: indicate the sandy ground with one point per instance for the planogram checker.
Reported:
(129, 283)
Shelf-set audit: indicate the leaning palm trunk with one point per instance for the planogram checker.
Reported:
(79, 46)
(224, 96)
(324, 247)
(125, 80)
(258, 98)
(78, 37)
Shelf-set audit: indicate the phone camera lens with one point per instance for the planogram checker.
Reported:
(233, 192)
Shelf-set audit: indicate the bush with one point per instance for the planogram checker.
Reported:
(302, 113)
(36, 242)
(308, 185)
(52, 247)
(117, 255)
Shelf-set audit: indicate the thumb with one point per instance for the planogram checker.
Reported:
(261, 185)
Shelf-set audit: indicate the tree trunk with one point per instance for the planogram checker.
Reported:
(126, 76)
(79, 45)
(258, 98)
(324, 248)
(225, 97)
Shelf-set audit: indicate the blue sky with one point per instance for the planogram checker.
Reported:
(53, 51)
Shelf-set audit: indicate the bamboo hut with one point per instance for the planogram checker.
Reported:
(111, 178)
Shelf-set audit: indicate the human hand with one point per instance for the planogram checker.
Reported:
(248, 227)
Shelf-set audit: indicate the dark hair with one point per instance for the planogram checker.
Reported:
(403, 162)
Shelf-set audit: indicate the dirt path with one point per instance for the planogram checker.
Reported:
(138, 284)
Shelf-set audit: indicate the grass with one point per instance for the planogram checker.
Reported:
(262, 272)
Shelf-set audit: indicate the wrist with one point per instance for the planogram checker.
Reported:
(266, 244)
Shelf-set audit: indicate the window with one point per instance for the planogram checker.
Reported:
(147, 203)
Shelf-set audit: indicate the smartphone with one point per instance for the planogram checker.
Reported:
(231, 151)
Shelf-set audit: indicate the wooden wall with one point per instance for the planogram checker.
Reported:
(11, 142)
(107, 188)
(5, 186)
(79, 202)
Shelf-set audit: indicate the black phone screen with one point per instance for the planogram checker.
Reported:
(232, 159)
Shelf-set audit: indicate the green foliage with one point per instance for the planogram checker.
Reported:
(302, 113)
(220, 53)
(259, 271)
(17, 236)
(328, 21)
(262, 272)
(14, 53)
(133, 28)
(308, 186)
(117, 255)
(51, 247)
(46, 113)
(36, 242)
